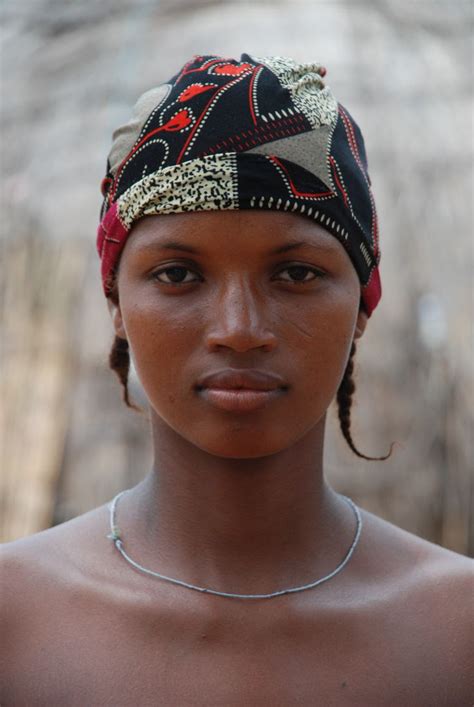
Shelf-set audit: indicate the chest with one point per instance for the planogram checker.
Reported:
(103, 657)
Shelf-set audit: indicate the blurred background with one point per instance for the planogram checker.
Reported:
(70, 73)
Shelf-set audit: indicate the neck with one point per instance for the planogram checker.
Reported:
(243, 525)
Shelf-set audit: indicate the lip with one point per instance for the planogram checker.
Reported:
(243, 400)
(240, 389)
(235, 379)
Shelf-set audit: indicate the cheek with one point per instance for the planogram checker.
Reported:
(321, 359)
(160, 343)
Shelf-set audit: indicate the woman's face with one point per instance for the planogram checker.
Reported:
(235, 303)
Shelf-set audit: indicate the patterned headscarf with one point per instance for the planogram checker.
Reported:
(254, 133)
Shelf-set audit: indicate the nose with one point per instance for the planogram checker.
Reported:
(239, 320)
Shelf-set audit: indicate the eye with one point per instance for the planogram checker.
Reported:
(300, 272)
(175, 275)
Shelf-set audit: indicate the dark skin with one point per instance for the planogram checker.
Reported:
(260, 473)
(235, 502)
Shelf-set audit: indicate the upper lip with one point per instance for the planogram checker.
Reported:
(248, 378)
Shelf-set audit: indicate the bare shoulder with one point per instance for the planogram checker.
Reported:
(429, 590)
(47, 563)
(45, 548)
(58, 599)
(413, 557)
(409, 563)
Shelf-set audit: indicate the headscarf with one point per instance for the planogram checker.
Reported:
(255, 133)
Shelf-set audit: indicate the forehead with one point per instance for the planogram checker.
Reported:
(215, 231)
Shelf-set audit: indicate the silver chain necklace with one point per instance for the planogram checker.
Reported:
(116, 537)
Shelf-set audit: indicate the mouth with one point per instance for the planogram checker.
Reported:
(241, 389)
(239, 400)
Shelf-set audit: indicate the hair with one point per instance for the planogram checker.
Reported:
(119, 362)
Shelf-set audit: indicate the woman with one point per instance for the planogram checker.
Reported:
(233, 574)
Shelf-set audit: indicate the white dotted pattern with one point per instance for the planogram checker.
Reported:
(325, 219)
(254, 92)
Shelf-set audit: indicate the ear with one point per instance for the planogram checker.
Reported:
(361, 323)
(116, 315)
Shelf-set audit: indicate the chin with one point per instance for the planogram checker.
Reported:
(242, 447)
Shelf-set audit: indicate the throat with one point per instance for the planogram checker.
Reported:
(252, 552)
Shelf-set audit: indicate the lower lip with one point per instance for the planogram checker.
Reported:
(239, 400)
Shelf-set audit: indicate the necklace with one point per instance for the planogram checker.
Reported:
(116, 537)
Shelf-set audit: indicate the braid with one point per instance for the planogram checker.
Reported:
(344, 402)
(119, 361)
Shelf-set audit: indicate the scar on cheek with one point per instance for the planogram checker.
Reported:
(308, 333)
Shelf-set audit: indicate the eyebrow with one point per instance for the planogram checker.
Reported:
(176, 245)
(291, 246)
